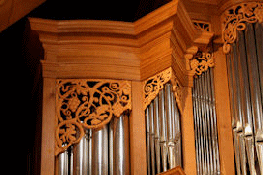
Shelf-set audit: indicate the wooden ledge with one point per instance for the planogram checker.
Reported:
(120, 50)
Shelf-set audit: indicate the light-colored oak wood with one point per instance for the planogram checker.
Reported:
(188, 137)
(225, 138)
(138, 131)
(88, 49)
(48, 127)
(175, 171)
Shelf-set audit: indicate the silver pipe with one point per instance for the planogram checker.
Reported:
(163, 129)
(170, 126)
(63, 163)
(209, 123)
(259, 148)
(80, 157)
(205, 125)
(148, 142)
(196, 128)
(233, 110)
(200, 122)
(240, 131)
(111, 146)
(177, 131)
(237, 153)
(152, 149)
(157, 134)
(100, 151)
(214, 121)
(89, 138)
(121, 145)
(259, 40)
(254, 82)
(212, 118)
(246, 103)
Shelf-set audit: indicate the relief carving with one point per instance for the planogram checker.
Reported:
(235, 18)
(87, 104)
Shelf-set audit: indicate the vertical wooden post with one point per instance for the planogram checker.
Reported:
(188, 136)
(48, 127)
(137, 132)
(225, 137)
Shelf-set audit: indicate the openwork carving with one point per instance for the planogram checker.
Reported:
(87, 104)
(154, 84)
(201, 62)
(236, 18)
(201, 25)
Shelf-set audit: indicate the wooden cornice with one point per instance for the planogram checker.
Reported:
(120, 50)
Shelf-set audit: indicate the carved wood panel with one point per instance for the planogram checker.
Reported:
(87, 104)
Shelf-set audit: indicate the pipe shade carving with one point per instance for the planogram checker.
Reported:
(87, 104)
(154, 84)
(234, 19)
(201, 62)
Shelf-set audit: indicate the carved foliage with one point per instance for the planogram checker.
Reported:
(154, 84)
(87, 104)
(235, 19)
(201, 62)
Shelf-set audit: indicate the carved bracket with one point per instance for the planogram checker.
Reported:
(201, 62)
(236, 17)
(87, 104)
(154, 84)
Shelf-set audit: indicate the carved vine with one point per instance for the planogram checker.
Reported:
(235, 18)
(87, 104)
(201, 62)
(154, 84)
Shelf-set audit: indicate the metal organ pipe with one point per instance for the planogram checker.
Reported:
(100, 152)
(245, 72)
(207, 153)
(163, 132)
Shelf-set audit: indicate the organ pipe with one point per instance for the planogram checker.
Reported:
(245, 74)
(99, 152)
(163, 132)
(205, 125)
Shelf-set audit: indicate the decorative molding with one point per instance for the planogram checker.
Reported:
(87, 104)
(154, 84)
(202, 25)
(201, 62)
(236, 17)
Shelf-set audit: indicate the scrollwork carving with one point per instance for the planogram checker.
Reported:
(235, 18)
(201, 62)
(154, 84)
(87, 104)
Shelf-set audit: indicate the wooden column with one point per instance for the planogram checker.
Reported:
(48, 127)
(188, 134)
(137, 132)
(225, 138)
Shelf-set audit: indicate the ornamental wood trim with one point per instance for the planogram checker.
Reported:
(87, 104)
(201, 62)
(153, 85)
(236, 17)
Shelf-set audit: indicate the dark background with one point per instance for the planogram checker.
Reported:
(21, 52)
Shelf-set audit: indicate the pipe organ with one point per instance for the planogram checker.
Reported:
(245, 72)
(149, 97)
(163, 133)
(207, 152)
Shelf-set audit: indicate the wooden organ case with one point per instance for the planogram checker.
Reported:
(105, 83)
